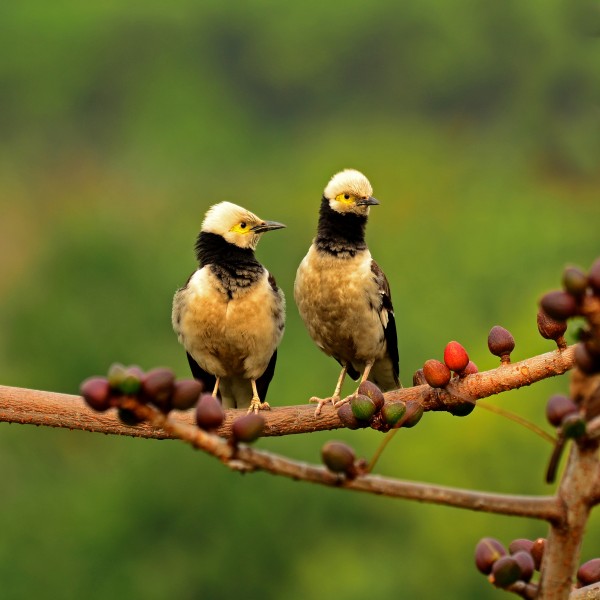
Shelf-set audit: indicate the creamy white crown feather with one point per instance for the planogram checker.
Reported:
(221, 217)
(348, 181)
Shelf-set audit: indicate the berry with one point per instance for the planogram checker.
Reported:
(573, 426)
(368, 388)
(487, 552)
(463, 409)
(414, 412)
(96, 393)
(419, 378)
(526, 564)
(247, 428)
(186, 393)
(338, 457)
(116, 374)
(157, 387)
(501, 343)
(574, 281)
(520, 544)
(392, 412)
(559, 305)
(470, 369)
(436, 373)
(363, 408)
(589, 572)
(549, 328)
(455, 357)
(505, 571)
(209, 413)
(537, 552)
(346, 416)
(587, 361)
(558, 408)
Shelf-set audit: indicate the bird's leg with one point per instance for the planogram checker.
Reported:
(216, 388)
(364, 377)
(336, 394)
(256, 404)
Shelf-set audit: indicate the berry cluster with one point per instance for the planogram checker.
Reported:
(557, 306)
(503, 568)
(160, 389)
(521, 561)
(368, 408)
(157, 387)
(438, 374)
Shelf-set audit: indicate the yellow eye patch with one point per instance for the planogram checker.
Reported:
(242, 227)
(345, 198)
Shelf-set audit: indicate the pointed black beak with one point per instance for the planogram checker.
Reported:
(370, 201)
(267, 226)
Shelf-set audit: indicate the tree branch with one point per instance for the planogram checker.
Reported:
(25, 406)
(249, 459)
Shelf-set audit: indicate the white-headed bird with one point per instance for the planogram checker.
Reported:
(342, 294)
(230, 315)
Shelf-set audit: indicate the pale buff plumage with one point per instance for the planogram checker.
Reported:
(342, 295)
(231, 328)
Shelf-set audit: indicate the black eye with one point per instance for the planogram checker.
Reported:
(347, 196)
(243, 225)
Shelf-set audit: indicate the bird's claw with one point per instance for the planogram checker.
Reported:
(342, 401)
(256, 405)
(322, 401)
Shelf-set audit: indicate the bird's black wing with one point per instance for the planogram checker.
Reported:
(350, 370)
(200, 374)
(391, 337)
(262, 383)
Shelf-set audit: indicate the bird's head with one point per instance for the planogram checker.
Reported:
(349, 191)
(237, 225)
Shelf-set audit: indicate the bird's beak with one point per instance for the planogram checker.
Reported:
(267, 226)
(370, 201)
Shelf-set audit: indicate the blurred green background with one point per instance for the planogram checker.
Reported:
(478, 124)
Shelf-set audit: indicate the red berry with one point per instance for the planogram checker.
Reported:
(455, 357)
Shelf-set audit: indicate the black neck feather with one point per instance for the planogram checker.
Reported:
(213, 249)
(340, 234)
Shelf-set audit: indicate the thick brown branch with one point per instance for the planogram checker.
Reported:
(20, 405)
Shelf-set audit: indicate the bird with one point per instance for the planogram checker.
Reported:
(230, 315)
(342, 294)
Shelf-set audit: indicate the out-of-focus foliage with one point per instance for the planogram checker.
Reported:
(478, 125)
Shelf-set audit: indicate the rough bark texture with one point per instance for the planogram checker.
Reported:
(20, 405)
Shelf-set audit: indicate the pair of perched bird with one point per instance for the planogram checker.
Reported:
(230, 315)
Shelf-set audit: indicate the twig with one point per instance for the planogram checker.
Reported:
(539, 507)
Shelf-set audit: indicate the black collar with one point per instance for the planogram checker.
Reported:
(340, 233)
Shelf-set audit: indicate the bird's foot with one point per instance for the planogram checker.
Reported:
(256, 405)
(322, 401)
(342, 401)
